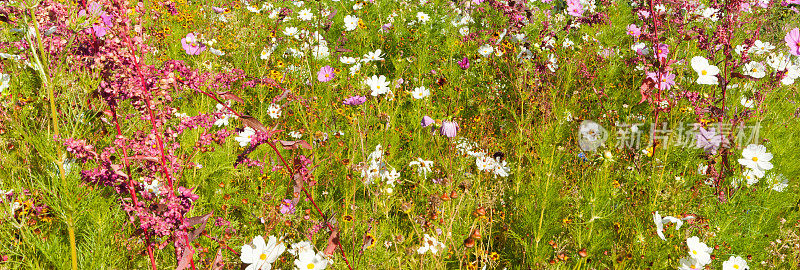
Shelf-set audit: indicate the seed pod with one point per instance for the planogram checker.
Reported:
(469, 242)
(476, 234)
(453, 194)
(480, 212)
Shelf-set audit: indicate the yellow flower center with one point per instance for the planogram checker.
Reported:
(754, 70)
(263, 256)
(704, 72)
(755, 159)
(694, 252)
(735, 266)
(310, 266)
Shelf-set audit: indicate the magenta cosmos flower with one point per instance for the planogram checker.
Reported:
(793, 41)
(325, 74)
(634, 31)
(449, 129)
(191, 45)
(464, 63)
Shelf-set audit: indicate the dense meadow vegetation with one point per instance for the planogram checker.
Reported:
(341, 134)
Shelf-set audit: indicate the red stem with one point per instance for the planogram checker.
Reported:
(291, 174)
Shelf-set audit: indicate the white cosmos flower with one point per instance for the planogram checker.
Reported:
(390, 176)
(567, 43)
(253, 9)
(263, 254)
(290, 31)
(735, 263)
(266, 52)
(348, 60)
(295, 134)
(4, 81)
(501, 168)
(707, 73)
(640, 47)
(755, 69)
(320, 52)
(552, 63)
(792, 74)
(311, 260)
(760, 47)
(747, 103)
(690, 263)
(699, 250)
(711, 14)
(373, 56)
(430, 244)
(301, 247)
(756, 158)
(751, 177)
(463, 31)
(305, 15)
(422, 17)
(659, 221)
(274, 110)
(377, 84)
(152, 187)
(350, 22)
(486, 50)
(245, 136)
(355, 68)
(420, 92)
(777, 182)
(225, 120)
(779, 62)
(485, 163)
(423, 166)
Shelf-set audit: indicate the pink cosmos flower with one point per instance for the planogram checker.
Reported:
(287, 207)
(325, 74)
(426, 121)
(449, 129)
(575, 8)
(662, 50)
(793, 41)
(191, 45)
(634, 31)
(355, 100)
(665, 82)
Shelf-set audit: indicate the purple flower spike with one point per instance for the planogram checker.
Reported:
(464, 63)
(449, 129)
